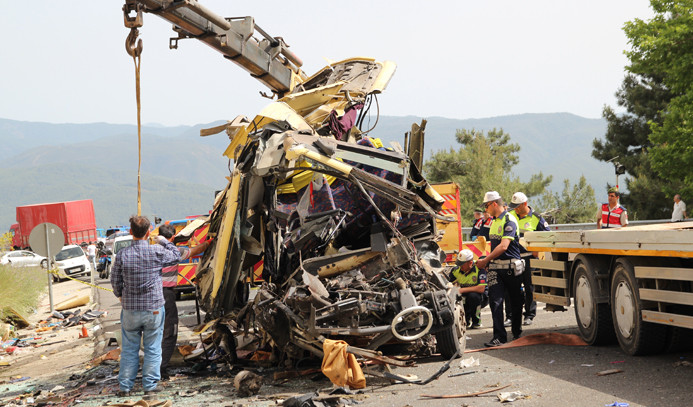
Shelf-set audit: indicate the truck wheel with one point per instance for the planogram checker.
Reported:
(635, 336)
(452, 339)
(593, 319)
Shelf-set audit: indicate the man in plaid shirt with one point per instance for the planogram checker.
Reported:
(136, 281)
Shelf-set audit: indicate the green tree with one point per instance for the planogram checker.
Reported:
(662, 46)
(627, 138)
(483, 163)
(575, 204)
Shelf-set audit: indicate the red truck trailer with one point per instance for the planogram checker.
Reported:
(75, 218)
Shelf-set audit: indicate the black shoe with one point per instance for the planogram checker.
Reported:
(123, 393)
(494, 343)
(476, 325)
(517, 336)
(152, 392)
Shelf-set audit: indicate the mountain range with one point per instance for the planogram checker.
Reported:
(48, 162)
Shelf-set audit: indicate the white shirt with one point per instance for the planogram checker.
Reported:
(91, 250)
(679, 209)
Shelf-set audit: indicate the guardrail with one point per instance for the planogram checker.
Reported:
(466, 231)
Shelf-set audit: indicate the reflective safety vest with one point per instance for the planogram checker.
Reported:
(612, 218)
(530, 222)
(505, 226)
(473, 278)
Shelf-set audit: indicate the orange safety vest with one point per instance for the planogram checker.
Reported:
(611, 218)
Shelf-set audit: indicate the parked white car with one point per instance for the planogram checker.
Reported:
(23, 258)
(119, 243)
(72, 261)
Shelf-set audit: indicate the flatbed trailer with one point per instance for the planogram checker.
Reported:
(633, 285)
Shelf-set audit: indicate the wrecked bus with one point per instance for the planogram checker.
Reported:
(345, 227)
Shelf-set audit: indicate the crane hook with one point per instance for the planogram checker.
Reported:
(133, 46)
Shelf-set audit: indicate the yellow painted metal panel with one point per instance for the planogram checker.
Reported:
(226, 228)
(653, 253)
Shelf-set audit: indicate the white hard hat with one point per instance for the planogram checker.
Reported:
(518, 199)
(465, 255)
(491, 196)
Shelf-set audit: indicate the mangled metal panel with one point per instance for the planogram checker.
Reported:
(345, 230)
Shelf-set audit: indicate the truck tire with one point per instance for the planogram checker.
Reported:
(635, 336)
(44, 264)
(593, 319)
(452, 339)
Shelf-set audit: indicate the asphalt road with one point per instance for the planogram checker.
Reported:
(546, 375)
(552, 375)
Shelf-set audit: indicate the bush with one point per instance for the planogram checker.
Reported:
(20, 290)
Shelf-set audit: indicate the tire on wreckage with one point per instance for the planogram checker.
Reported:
(451, 340)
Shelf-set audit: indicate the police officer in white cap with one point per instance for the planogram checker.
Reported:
(528, 221)
(504, 266)
(472, 286)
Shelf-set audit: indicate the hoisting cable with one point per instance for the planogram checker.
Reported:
(133, 46)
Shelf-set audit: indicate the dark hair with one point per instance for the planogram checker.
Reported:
(139, 225)
(167, 231)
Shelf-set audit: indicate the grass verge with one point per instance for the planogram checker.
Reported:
(20, 289)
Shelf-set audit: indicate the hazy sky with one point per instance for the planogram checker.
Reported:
(65, 61)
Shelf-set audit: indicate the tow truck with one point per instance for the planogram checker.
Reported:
(345, 226)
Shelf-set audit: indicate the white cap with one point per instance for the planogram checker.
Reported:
(465, 255)
(491, 196)
(518, 199)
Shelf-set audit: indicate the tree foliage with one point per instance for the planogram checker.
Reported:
(575, 204)
(482, 163)
(662, 47)
(627, 140)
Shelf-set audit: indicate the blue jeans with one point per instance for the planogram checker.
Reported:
(148, 326)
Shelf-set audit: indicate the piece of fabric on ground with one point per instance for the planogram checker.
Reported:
(341, 367)
(546, 338)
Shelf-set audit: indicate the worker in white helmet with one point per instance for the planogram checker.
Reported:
(472, 286)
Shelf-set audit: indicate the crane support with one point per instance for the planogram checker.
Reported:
(238, 39)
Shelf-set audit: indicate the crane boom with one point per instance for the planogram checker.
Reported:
(265, 57)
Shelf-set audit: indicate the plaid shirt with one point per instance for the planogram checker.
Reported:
(136, 274)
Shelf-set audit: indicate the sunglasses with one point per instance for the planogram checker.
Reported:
(487, 204)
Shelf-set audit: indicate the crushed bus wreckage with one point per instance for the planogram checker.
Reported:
(344, 229)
